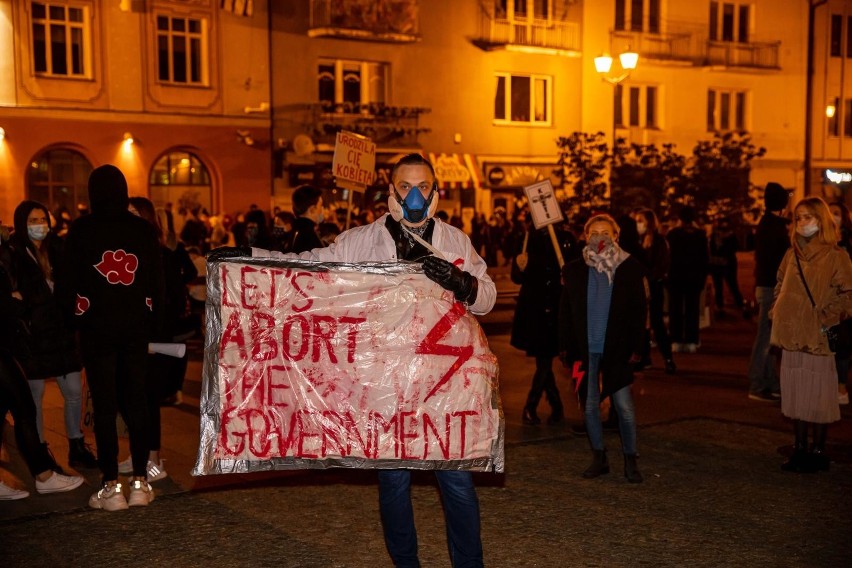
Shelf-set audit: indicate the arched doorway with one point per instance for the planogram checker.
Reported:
(181, 179)
(59, 179)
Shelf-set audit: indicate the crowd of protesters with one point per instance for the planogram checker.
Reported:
(674, 260)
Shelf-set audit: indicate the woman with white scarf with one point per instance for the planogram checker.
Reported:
(601, 333)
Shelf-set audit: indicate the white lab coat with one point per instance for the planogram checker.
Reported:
(373, 243)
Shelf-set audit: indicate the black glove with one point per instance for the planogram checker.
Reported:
(224, 253)
(451, 278)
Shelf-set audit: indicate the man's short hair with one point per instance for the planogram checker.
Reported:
(305, 197)
(412, 160)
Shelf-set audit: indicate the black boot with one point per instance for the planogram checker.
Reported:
(530, 416)
(671, 368)
(599, 466)
(631, 470)
(819, 459)
(800, 461)
(79, 454)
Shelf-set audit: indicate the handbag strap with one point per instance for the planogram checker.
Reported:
(802, 276)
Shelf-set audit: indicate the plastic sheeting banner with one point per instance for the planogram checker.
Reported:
(311, 365)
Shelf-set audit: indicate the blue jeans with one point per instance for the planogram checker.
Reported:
(70, 386)
(762, 376)
(461, 514)
(623, 402)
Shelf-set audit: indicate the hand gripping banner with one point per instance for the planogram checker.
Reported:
(312, 365)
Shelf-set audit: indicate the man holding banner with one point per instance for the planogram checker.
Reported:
(409, 232)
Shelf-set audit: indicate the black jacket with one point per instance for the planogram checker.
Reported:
(52, 347)
(305, 236)
(114, 286)
(689, 256)
(655, 258)
(535, 325)
(625, 328)
(771, 241)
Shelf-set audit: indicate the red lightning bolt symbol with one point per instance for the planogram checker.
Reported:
(430, 345)
(577, 374)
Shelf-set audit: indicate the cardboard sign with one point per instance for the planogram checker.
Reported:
(544, 207)
(354, 164)
(363, 366)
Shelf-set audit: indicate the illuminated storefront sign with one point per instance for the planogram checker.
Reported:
(838, 177)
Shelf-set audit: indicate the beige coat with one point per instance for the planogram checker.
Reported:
(828, 272)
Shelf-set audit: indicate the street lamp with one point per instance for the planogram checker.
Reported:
(603, 63)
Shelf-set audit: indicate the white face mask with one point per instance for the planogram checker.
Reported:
(641, 228)
(38, 232)
(808, 230)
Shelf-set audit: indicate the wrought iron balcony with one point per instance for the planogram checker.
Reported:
(675, 47)
(370, 20)
(529, 34)
(762, 55)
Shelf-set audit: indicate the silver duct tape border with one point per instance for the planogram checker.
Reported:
(210, 403)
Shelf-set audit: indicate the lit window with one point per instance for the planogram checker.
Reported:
(61, 39)
(520, 10)
(522, 99)
(182, 50)
(730, 21)
(638, 104)
(638, 15)
(58, 179)
(726, 110)
(182, 179)
(351, 86)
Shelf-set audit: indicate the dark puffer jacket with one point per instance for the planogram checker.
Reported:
(52, 348)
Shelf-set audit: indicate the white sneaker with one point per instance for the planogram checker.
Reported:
(109, 498)
(156, 472)
(57, 483)
(141, 493)
(10, 493)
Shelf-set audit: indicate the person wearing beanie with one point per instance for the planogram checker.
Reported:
(113, 293)
(771, 241)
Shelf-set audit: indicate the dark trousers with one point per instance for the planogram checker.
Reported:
(461, 513)
(658, 326)
(15, 397)
(684, 307)
(544, 382)
(115, 371)
(729, 276)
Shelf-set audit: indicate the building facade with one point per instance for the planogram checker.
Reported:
(175, 93)
(232, 102)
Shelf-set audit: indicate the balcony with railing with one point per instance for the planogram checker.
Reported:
(688, 43)
(669, 47)
(755, 55)
(396, 21)
(527, 34)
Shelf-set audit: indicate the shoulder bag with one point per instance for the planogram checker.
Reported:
(838, 337)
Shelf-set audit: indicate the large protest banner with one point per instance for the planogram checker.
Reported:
(311, 365)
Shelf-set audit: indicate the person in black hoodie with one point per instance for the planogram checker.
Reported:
(114, 290)
(771, 241)
(36, 257)
(307, 207)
